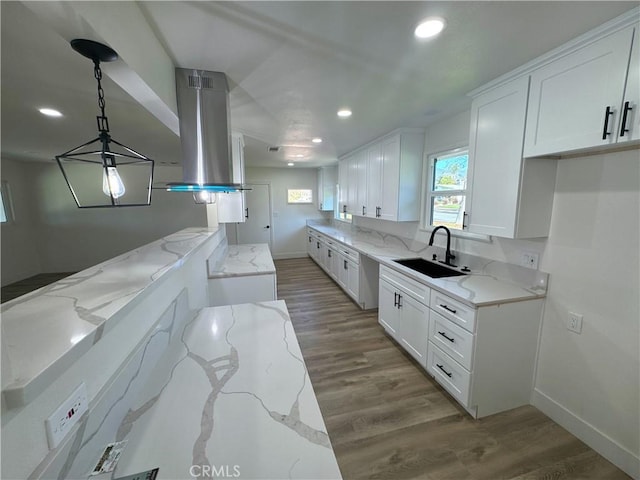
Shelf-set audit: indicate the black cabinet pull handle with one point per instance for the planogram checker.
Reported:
(309, 239)
(464, 218)
(329, 253)
(445, 372)
(607, 113)
(448, 309)
(395, 299)
(317, 244)
(363, 211)
(445, 336)
(345, 264)
(246, 213)
(625, 112)
(344, 209)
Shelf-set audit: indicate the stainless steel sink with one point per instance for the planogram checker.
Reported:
(430, 269)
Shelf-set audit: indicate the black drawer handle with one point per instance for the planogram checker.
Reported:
(317, 244)
(448, 309)
(309, 239)
(626, 111)
(445, 336)
(345, 264)
(395, 299)
(445, 372)
(605, 131)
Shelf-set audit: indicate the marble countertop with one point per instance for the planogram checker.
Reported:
(47, 330)
(479, 288)
(232, 395)
(243, 260)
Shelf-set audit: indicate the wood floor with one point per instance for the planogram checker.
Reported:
(387, 419)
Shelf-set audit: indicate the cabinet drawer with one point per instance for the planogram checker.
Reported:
(452, 339)
(417, 290)
(448, 373)
(454, 310)
(349, 253)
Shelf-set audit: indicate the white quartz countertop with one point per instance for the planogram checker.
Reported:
(46, 331)
(475, 289)
(232, 395)
(243, 260)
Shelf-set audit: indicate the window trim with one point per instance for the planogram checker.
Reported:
(7, 203)
(310, 202)
(427, 177)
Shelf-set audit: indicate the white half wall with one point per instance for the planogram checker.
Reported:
(20, 258)
(289, 221)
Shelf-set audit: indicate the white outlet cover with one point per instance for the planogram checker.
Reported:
(66, 416)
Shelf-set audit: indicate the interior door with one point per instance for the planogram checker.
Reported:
(257, 225)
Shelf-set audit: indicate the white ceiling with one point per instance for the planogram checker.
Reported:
(290, 65)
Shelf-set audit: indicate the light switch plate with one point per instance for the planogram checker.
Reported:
(66, 416)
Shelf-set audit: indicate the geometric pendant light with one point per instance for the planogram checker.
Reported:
(103, 172)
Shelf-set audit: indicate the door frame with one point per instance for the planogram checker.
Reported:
(271, 227)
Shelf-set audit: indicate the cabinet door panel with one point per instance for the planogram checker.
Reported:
(352, 203)
(632, 95)
(390, 179)
(353, 280)
(414, 327)
(495, 150)
(361, 197)
(388, 313)
(343, 185)
(374, 183)
(569, 97)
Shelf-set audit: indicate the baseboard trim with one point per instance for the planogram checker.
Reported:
(603, 444)
(284, 256)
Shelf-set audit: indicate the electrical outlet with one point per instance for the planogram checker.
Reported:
(574, 323)
(66, 416)
(529, 260)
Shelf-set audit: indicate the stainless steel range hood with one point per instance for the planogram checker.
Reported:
(205, 135)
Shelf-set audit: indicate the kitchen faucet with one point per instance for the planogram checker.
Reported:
(448, 256)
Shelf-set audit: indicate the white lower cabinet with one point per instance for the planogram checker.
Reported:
(402, 315)
(355, 275)
(483, 356)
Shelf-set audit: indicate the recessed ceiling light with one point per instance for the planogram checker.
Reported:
(50, 112)
(290, 164)
(299, 155)
(316, 140)
(344, 113)
(429, 27)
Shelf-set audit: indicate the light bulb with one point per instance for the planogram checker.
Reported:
(112, 183)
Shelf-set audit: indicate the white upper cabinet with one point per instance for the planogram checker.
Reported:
(577, 101)
(326, 188)
(386, 176)
(629, 129)
(510, 197)
(231, 205)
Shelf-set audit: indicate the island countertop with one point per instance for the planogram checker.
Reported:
(47, 330)
(244, 260)
(231, 395)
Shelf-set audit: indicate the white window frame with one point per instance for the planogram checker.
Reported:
(428, 193)
(7, 204)
(300, 203)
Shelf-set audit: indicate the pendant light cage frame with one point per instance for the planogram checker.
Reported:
(98, 172)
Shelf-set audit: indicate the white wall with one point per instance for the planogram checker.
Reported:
(289, 221)
(20, 258)
(592, 255)
(71, 239)
(589, 383)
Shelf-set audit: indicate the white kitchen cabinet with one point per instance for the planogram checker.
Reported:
(631, 100)
(483, 356)
(577, 101)
(386, 176)
(403, 311)
(343, 186)
(326, 188)
(231, 205)
(510, 197)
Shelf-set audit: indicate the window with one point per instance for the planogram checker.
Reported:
(5, 205)
(299, 195)
(447, 189)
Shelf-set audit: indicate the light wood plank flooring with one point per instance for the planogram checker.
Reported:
(387, 419)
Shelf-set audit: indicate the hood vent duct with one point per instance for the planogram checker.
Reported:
(205, 134)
